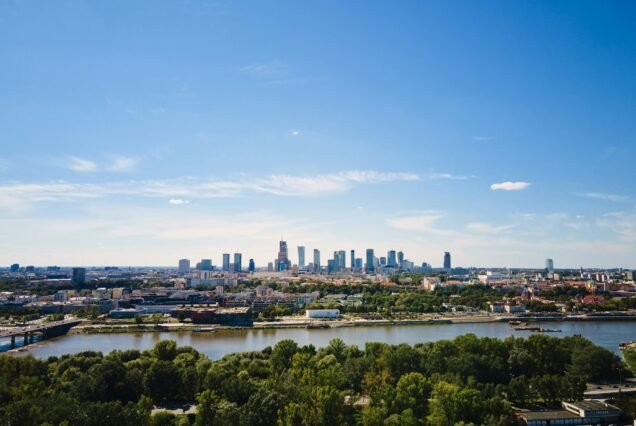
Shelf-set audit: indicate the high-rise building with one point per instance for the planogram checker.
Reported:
(316, 260)
(270, 267)
(358, 264)
(447, 261)
(184, 266)
(370, 261)
(238, 266)
(301, 257)
(391, 260)
(79, 275)
(252, 266)
(226, 262)
(353, 260)
(15, 267)
(206, 264)
(331, 266)
(342, 258)
(282, 262)
(400, 259)
(549, 266)
(382, 261)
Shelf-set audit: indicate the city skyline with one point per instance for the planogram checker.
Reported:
(502, 134)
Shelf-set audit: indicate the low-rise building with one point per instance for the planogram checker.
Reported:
(322, 313)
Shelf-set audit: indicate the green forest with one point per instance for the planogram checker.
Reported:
(468, 380)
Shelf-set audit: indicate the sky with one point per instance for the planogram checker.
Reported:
(139, 133)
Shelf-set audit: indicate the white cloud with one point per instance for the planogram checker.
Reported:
(488, 228)
(82, 165)
(604, 196)
(295, 132)
(282, 185)
(449, 176)
(419, 221)
(178, 201)
(118, 163)
(122, 164)
(509, 186)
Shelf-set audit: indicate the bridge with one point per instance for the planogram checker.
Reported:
(46, 330)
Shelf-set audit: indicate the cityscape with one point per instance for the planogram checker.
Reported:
(301, 213)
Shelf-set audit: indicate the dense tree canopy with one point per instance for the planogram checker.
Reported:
(468, 379)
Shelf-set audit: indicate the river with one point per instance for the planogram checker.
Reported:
(215, 345)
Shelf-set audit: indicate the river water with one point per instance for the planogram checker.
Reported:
(215, 345)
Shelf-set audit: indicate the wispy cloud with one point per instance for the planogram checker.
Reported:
(178, 202)
(488, 228)
(122, 164)
(418, 222)
(449, 176)
(509, 186)
(281, 185)
(116, 163)
(604, 196)
(265, 69)
(82, 165)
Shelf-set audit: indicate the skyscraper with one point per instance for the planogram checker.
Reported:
(282, 262)
(301, 257)
(237, 262)
(391, 260)
(400, 259)
(549, 265)
(226, 262)
(252, 266)
(370, 260)
(353, 260)
(342, 257)
(316, 260)
(184, 266)
(206, 264)
(447, 261)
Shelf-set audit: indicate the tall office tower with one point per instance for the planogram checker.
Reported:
(226, 262)
(301, 257)
(359, 264)
(391, 260)
(15, 267)
(400, 259)
(317, 261)
(370, 260)
(270, 267)
(335, 263)
(283, 263)
(79, 275)
(353, 260)
(447, 261)
(184, 266)
(206, 264)
(252, 266)
(342, 257)
(238, 267)
(382, 261)
(331, 266)
(549, 265)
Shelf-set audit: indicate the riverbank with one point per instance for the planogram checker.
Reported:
(300, 322)
(227, 340)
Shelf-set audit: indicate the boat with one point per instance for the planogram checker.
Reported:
(203, 329)
(514, 322)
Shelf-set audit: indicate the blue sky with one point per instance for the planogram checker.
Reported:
(142, 132)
